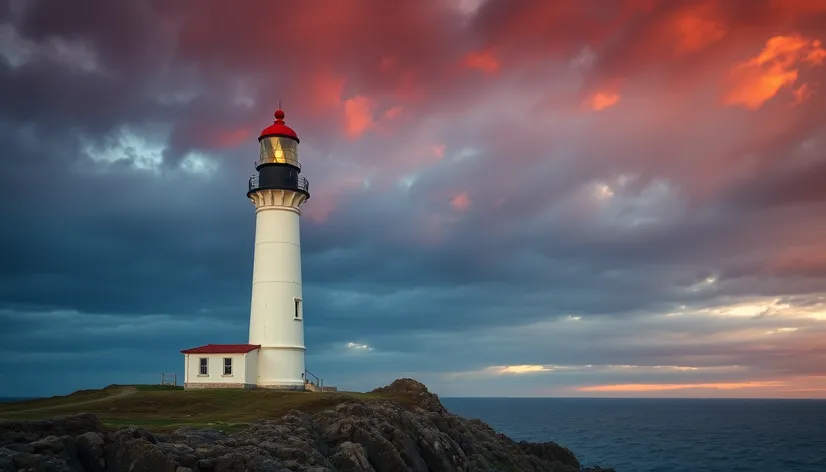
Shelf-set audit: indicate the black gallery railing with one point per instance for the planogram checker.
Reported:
(301, 184)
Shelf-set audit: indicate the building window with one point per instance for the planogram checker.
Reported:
(227, 366)
(204, 366)
(298, 308)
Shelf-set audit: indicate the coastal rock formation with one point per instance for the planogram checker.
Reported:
(354, 436)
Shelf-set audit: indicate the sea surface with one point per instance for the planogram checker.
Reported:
(666, 435)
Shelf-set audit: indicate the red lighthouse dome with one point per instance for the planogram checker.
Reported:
(278, 128)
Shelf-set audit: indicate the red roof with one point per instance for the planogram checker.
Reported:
(278, 128)
(222, 349)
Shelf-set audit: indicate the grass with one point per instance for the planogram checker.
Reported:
(164, 408)
(76, 397)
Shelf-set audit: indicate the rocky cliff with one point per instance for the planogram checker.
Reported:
(354, 436)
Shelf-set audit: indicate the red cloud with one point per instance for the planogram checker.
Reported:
(484, 61)
(358, 116)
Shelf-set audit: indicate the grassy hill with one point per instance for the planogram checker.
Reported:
(164, 408)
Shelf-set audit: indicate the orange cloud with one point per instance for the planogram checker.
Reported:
(358, 116)
(757, 80)
(801, 94)
(439, 150)
(664, 387)
(602, 100)
(484, 61)
(461, 202)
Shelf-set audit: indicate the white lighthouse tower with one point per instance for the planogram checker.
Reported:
(276, 312)
(274, 356)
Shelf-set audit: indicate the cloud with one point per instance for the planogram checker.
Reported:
(601, 100)
(506, 197)
(755, 81)
(484, 61)
(358, 116)
(460, 202)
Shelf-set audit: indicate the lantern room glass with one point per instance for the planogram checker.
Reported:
(277, 149)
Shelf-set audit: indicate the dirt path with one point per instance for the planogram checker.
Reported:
(124, 391)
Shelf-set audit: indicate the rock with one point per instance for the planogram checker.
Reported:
(7, 459)
(127, 454)
(415, 391)
(134, 432)
(350, 457)
(192, 435)
(377, 435)
(262, 464)
(39, 462)
(89, 448)
(29, 431)
(232, 462)
(50, 444)
(551, 452)
(205, 465)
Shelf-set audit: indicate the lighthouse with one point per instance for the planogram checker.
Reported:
(274, 355)
(277, 310)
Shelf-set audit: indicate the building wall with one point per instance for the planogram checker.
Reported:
(252, 367)
(280, 368)
(276, 284)
(215, 369)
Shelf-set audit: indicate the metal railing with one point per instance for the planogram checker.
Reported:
(302, 185)
(318, 382)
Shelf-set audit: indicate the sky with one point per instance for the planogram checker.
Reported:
(574, 198)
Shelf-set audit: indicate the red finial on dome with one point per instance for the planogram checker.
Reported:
(278, 128)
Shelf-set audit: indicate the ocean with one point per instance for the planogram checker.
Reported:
(666, 435)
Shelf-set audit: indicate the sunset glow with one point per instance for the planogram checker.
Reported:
(663, 387)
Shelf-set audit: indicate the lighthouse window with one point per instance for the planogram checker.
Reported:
(227, 366)
(298, 308)
(204, 366)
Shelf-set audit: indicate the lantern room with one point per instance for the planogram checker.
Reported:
(279, 144)
(278, 167)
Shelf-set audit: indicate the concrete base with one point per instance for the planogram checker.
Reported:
(292, 388)
(197, 385)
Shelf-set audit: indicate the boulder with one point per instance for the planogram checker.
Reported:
(415, 391)
(30, 431)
